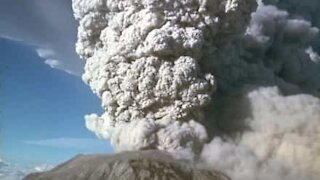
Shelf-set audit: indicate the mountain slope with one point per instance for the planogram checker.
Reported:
(144, 165)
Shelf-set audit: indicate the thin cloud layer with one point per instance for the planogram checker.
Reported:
(84, 144)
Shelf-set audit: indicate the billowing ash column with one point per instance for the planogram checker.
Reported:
(144, 59)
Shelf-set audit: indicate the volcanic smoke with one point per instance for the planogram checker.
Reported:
(234, 84)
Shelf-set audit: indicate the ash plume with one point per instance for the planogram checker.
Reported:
(233, 82)
(143, 60)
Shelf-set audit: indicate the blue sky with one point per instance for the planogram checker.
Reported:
(42, 109)
(42, 105)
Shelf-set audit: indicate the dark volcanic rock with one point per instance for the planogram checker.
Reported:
(144, 165)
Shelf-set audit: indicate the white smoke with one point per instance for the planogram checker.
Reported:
(174, 74)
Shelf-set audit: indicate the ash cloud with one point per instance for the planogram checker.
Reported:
(143, 60)
(234, 82)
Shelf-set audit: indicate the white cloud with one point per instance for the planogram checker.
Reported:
(53, 63)
(83, 144)
(10, 171)
(42, 167)
(48, 26)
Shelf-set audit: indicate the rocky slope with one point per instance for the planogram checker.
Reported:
(142, 165)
